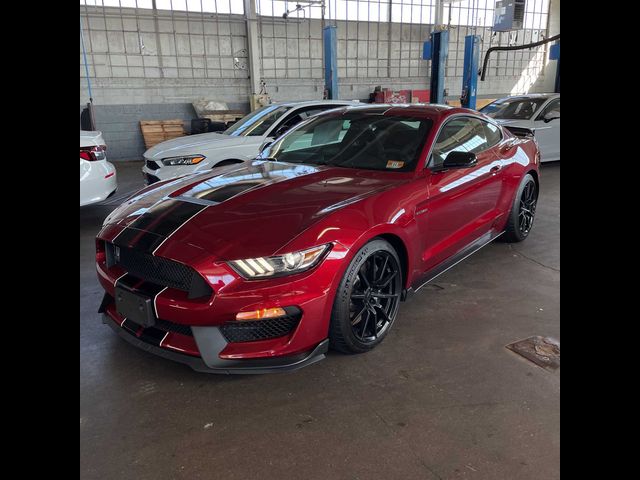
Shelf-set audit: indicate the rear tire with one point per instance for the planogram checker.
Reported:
(523, 211)
(368, 297)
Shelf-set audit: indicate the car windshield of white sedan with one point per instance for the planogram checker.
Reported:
(258, 122)
(515, 109)
(355, 140)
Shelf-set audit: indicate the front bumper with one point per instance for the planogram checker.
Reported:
(200, 330)
(211, 342)
(152, 175)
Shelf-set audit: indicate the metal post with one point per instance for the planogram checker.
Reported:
(330, 39)
(470, 71)
(439, 14)
(439, 53)
(86, 70)
(556, 87)
(252, 41)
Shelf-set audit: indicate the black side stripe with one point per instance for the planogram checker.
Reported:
(151, 228)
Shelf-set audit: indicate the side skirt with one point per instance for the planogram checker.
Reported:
(465, 252)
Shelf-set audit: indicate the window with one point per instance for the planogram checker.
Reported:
(355, 140)
(258, 122)
(513, 108)
(493, 134)
(554, 106)
(462, 134)
(302, 114)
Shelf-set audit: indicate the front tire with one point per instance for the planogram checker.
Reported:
(523, 211)
(368, 297)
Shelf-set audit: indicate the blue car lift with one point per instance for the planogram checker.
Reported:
(470, 71)
(554, 54)
(437, 50)
(330, 39)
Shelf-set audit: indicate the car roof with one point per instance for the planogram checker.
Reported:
(426, 110)
(530, 95)
(310, 103)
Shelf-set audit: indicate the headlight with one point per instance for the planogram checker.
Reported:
(287, 264)
(184, 160)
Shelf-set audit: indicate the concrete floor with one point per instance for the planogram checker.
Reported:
(440, 398)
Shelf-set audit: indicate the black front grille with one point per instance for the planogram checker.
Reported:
(251, 331)
(173, 327)
(158, 270)
(152, 165)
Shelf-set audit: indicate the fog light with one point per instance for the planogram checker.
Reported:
(260, 314)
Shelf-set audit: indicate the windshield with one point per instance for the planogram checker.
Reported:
(513, 109)
(258, 122)
(355, 140)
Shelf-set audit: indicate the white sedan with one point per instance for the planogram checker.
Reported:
(539, 112)
(239, 143)
(97, 176)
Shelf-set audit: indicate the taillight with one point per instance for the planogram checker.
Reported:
(91, 154)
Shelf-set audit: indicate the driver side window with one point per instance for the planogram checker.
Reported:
(463, 134)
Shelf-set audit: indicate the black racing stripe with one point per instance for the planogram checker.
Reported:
(151, 228)
(225, 192)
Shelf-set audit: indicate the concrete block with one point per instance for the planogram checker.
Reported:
(184, 61)
(225, 46)
(118, 60)
(169, 61)
(119, 72)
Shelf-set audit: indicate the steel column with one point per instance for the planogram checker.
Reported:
(439, 53)
(470, 71)
(330, 40)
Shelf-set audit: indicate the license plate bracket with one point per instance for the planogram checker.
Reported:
(134, 307)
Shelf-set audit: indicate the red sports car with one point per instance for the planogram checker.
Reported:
(313, 245)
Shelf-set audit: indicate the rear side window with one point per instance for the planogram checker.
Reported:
(462, 134)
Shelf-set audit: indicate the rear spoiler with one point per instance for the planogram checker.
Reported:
(520, 132)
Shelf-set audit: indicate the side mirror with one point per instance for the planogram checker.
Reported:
(265, 145)
(551, 116)
(457, 160)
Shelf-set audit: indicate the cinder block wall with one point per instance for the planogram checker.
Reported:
(120, 125)
(144, 67)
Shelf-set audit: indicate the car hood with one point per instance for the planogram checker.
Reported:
(193, 144)
(250, 211)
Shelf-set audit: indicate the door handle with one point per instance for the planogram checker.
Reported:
(495, 169)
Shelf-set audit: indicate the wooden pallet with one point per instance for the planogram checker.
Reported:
(156, 131)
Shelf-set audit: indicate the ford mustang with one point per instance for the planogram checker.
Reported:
(264, 266)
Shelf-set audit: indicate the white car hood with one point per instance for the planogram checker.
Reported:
(90, 138)
(201, 143)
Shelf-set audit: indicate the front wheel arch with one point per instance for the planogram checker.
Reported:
(229, 161)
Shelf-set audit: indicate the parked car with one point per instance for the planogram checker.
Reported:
(539, 112)
(97, 176)
(314, 244)
(239, 143)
